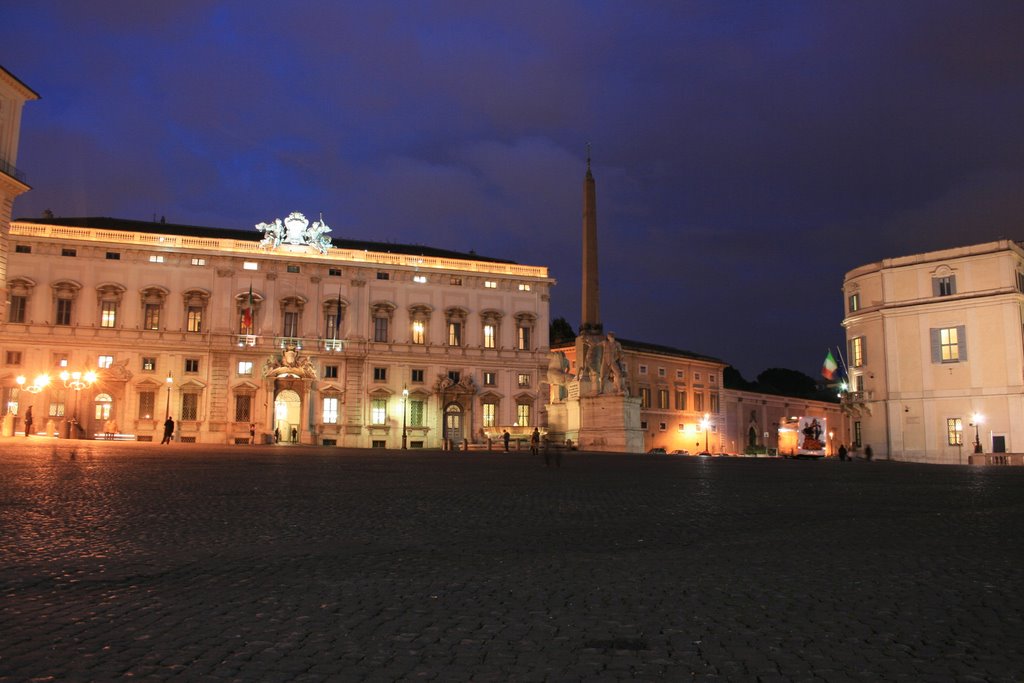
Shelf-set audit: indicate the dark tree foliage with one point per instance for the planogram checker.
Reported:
(734, 380)
(561, 332)
(787, 383)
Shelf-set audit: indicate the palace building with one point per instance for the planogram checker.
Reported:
(288, 333)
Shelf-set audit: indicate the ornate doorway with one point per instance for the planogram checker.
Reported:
(453, 422)
(287, 417)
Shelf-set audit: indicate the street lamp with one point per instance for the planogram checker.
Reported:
(405, 412)
(978, 419)
(705, 425)
(170, 381)
(38, 384)
(77, 380)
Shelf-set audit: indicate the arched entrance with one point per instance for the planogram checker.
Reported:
(453, 422)
(287, 416)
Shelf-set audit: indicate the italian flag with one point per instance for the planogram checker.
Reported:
(247, 313)
(828, 368)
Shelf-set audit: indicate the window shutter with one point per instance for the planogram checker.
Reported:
(935, 286)
(864, 350)
(961, 338)
(936, 346)
(952, 284)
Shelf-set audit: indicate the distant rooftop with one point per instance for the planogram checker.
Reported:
(252, 235)
(645, 347)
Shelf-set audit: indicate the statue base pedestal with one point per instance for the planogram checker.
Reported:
(606, 423)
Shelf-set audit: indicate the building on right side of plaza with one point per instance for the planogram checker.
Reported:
(935, 353)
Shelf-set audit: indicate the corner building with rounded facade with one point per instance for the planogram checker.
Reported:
(366, 345)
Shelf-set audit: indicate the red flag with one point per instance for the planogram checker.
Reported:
(247, 313)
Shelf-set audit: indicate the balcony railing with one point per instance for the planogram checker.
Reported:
(12, 171)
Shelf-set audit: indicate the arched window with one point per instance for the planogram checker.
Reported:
(381, 313)
(152, 301)
(455, 318)
(525, 323)
(291, 316)
(419, 322)
(491, 330)
(196, 301)
(65, 293)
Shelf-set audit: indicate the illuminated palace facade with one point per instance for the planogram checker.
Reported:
(335, 343)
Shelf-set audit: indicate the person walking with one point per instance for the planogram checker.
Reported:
(28, 421)
(535, 441)
(295, 435)
(252, 433)
(868, 453)
(842, 452)
(168, 429)
(506, 437)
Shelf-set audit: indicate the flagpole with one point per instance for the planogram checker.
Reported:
(842, 360)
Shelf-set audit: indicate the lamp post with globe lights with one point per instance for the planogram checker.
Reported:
(77, 380)
(169, 381)
(705, 424)
(38, 384)
(405, 412)
(978, 419)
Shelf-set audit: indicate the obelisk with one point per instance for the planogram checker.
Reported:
(590, 322)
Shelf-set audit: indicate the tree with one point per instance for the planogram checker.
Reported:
(787, 383)
(734, 380)
(561, 332)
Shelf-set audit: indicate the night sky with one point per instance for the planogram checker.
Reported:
(747, 154)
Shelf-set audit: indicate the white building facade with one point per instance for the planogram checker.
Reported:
(936, 353)
(366, 345)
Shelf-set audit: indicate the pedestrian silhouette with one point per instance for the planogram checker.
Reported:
(506, 437)
(168, 430)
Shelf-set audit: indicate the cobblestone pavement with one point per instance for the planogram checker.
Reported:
(276, 563)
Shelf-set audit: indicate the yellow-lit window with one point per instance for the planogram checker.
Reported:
(418, 332)
(330, 411)
(949, 344)
(490, 409)
(379, 411)
(489, 336)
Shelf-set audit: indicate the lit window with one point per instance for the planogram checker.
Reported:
(948, 345)
(490, 379)
(108, 313)
(147, 403)
(419, 278)
(105, 361)
(854, 303)
(189, 406)
(330, 410)
(523, 414)
(416, 411)
(954, 431)
(151, 317)
(663, 399)
(524, 379)
(491, 284)
(156, 258)
(379, 411)
(523, 339)
(856, 352)
(489, 339)
(523, 287)
(243, 408)
(418, 332)
(250, 265)
(454, 334)
(245, 368)
(195, 319)
(198, 262)
(149, 364)
(645, 397)
(490, 409)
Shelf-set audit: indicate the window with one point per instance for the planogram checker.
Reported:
(523, 414)
(330, 413)
(490, 284)
(661, 372)
(663, 399)
(330, 372)
(949, 344)
(680, 374)
(645, 397)
(417, 375)
(698, 402)
(245, 368)
(696, 377)
(191, 365)
(291, 324)
(421, 279)
(113, 256)
(454, 376)
(524, 379)
(156, 258)
(662, 426)
(853, 303)
(189, 406)
(195, 318)
(293, 269)
(108, 314)
(643, 424)
(105, 361)
(714, 403)
(954, 431)
(68, 252)
(383, 276)
(944, 286)
(380, 374)
(198, 262)
(16, 313)
(416, 411)
(643, 369)
(22, 249)
(712, 377)
(489, 336)
(151, 317)
(490, 379)
(857, 352)
(57, 401)
(148, 364)
(380, 329)
(454, 333)
(523, 287)
(523, 338)
(250, 265)
(63, 312)
(60, 360)
(680, 400)
(13, 358)
(418, 332)
(147, 405)
(334, 272)
(379, 411)
(243, 407)
(455, 280)
(490, 410)
(856, 434)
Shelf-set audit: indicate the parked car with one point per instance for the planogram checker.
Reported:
(680, 452)
(656, 451)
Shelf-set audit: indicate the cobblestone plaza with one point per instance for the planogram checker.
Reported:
(275, 563)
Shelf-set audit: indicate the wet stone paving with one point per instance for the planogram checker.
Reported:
(274, 563)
